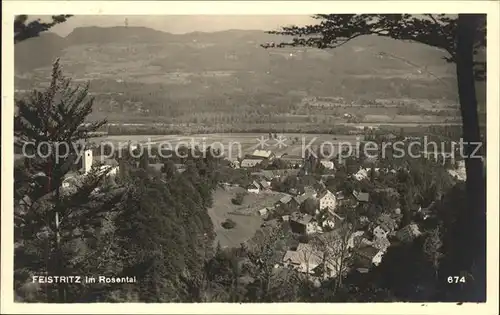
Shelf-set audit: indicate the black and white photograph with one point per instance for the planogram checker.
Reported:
(251, 158)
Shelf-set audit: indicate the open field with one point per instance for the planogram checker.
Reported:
(235, 144)
(247, 223)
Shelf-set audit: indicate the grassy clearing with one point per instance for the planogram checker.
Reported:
(247, 223)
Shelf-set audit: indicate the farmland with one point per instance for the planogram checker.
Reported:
(235, 144)
(245, 216)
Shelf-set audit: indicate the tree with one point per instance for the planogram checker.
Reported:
(309, 206)
(54, 121)
(228, 224)
(238, 199)
(462, 38)
(335, 247)
(432, 248)
(24, 30)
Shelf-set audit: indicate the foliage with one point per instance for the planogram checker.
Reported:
(58, 230)
(238, 199)
(335, 30)
(228, 224)
(24, 30)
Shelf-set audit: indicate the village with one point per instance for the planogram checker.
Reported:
(308, 198)
(308, 208)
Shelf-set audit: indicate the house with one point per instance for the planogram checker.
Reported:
(391, 192)
(327, 176)
(310, 191)
(384, 225)
(327, 164)
(264, 184)
(248, 163)
(355, 239)
(337, 219)
(363, 220)
(366, 256)
(263, 212)
(390, 137)
(327, 200)
(289, 201)
(303, 223)
(253, 187)
(266, 175)
(285, 199)
(408, 233)
(427, 212)
(319, 186)
(332, 220)
(459, 172)
(339, 195)
(292, 160)
(180, 168)
(233, 163)
(306, 259)
(361, 174)
(381, 243)
(411, 138)
(380, 232)
(300, 199)
(361, 196)
(262, 154)
(71, 182)
(87, 161)
(158, 167)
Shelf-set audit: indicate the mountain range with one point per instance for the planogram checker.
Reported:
(138, 69)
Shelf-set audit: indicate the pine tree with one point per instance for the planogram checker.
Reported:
(49, 220)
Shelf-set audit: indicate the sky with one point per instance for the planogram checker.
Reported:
(179, 24)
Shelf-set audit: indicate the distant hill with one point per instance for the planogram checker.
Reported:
(133, 68)
(38, 52)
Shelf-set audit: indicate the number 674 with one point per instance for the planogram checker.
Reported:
(456, 279)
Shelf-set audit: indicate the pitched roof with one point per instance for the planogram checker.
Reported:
(156, 166)
(324, 193)
(306, 257)
(327, 164)
(250, 162)
(110, 162)
(339, 195)
(263, 211)
(254, 183)
(262, 153)
(361, 196)
(367, 251)
(291, 159)
(264, 184)
(300, 199)
(286, 199)
(408, 232)
(386, 222)
(301, 218)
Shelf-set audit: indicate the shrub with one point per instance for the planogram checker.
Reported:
(238, 199)
(228, 224)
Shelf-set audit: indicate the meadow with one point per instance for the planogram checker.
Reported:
(236, 144)
(246, 217)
